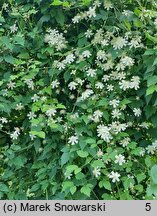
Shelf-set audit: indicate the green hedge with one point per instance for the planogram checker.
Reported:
(78, 99)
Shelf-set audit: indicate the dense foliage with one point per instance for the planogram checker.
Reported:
(78, 99)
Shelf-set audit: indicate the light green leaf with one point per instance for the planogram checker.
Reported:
(87, 189)
(3, 187)
(152, 80)
(82, 154)
(40, 134)
(153, 174)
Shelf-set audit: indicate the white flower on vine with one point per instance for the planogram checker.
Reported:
(51, 112)
(104, 132)
(120, 159)
(73, 140)
(13, 28)
(55, 84)
(86, 54)
(137, 112)
(114, 176)
(96, 172)
(118, 42)
(91, 72)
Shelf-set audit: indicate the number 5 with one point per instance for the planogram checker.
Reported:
(148, 207)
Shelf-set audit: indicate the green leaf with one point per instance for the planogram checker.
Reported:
(40, 134)
(87, 189)
(97, 163)
(153, 174)
(151, 38)
(65, 158)
(103, 103)
(9, 59)
(152, 80)
(60, 18)
(3, 187)
(67, 185)
(56, 3)
(151, 90)
(73, 189)
(140, 177)
(106, 184)
(19, 40)
(82, 154)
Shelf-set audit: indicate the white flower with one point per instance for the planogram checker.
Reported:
(5, 92)
(86, 54)
(127, 12)
(114, 103)
(73, 140)
(98, 114)
(91, 12)
(124, 84)
(109, 87)
(120, 66)
(104, 42)
(114, 176)
(99, 153)
(69, 176)
(15, 134)
(55, 39)
(106, 78)
(135, 81)
(116, 114)
(137, 112)
(55, 84)
(3, 120)
(11, 85)
(125, 141)
(43, 98)
(5, 6)
(35, 98)
(121, 76)
(118, 127)
(118, 42)
(107, 4)
(144, 125)
(99, 85)
(73, 72)
(72, 85)
(19, 106)
(142, 152)
(86, 94)
(51, 112)
(69, 58)
(32, 136)
(30, 83)
(31, 115)
(119, 159)
(60, 65)
(150, 149)
(104, 133)
(108, 65)
(101, 55)
(88, 33)
(13, 28)
(76, 18)
(79, 81)
(91, 72)
(127, 61)
(96, 172)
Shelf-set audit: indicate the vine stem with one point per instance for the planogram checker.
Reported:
(118, 190)
(47, 197)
